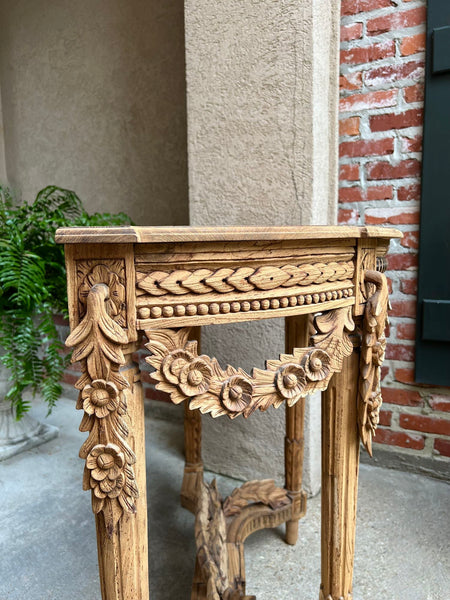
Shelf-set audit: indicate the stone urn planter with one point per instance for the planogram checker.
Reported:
(17, 436)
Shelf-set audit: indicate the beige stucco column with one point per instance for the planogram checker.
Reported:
(262, 92)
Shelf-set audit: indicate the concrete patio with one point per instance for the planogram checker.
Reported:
(47, 533)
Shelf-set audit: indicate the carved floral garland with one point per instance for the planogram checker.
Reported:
(200, 379)
(98, 341)
(372, 355)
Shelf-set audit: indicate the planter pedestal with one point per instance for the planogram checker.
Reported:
(18, 436)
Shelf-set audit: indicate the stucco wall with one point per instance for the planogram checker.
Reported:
(93, 96)
(262, 91)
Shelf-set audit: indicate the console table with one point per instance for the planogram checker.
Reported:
(167, 282)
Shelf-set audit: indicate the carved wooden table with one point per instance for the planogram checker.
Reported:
(168, 282)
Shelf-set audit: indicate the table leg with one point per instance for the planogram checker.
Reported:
(340, 463)
(122, 553)
(296, 336)
(193, 468)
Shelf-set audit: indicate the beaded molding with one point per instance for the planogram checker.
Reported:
(213, 308)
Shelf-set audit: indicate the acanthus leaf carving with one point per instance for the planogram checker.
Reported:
(200, 380)
(97, 341)
(258, 491)
(373, 348)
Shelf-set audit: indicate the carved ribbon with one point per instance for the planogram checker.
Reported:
(185, 375)
(372, 355)
(108, 472)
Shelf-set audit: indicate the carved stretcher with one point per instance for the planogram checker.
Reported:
(168, 282)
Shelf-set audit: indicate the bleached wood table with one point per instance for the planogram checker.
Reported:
(168, 282)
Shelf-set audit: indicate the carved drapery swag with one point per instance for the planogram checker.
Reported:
(373, 349)
(185, 375)
(98, 342)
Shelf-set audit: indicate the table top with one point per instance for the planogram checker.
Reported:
(148, 235)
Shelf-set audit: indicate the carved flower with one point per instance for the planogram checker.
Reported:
(378, 352)
(236, 393)
(317, 365)
(373, 411)
(102, 274)
(100, 398)
(195, 378)
(173, 364)
(290, 380)
(105, 464)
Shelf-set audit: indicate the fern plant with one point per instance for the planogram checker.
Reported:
(33, 288)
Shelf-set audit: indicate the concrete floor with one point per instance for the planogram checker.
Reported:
(48, 549)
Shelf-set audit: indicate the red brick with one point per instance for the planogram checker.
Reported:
(348, 216)
(384, 372)
(441, 403)
(70, 378)
(385, 417)
(385, 74)
(409, 118)
(396, 20)
(401, 397)
(400, 352)
(415, 93)
(442, 446)
(394, 216)
(413, 44)
(396, 72)
(403, 308)
(351, 194)
(404, 375)
(348, 172)
(146, 377)
(379, 192)
(408, 286)
(357, 194)
(351, 32)
(411, 144)
(153, 394)
(425, 424)
(350, 81)
(60, 321)
(349, 126)
(406, 331)
(74, 367)
(380, 99)
(352, 7)
(362, 148)
(366, 54)
(398, 438)
(409, 192)
(384, 169)
(410, 239)
(402, 262)
(389, 283)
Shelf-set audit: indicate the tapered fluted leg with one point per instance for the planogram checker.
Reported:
(193, 468)
(122, 553)
(340, 461)
(296, 336)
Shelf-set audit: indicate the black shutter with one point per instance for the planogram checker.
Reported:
(433, 301)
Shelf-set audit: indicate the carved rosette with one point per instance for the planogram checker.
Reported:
(97, 342)
(233, 392)
(373, 348)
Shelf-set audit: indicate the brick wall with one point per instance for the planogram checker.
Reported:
(381, 117)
